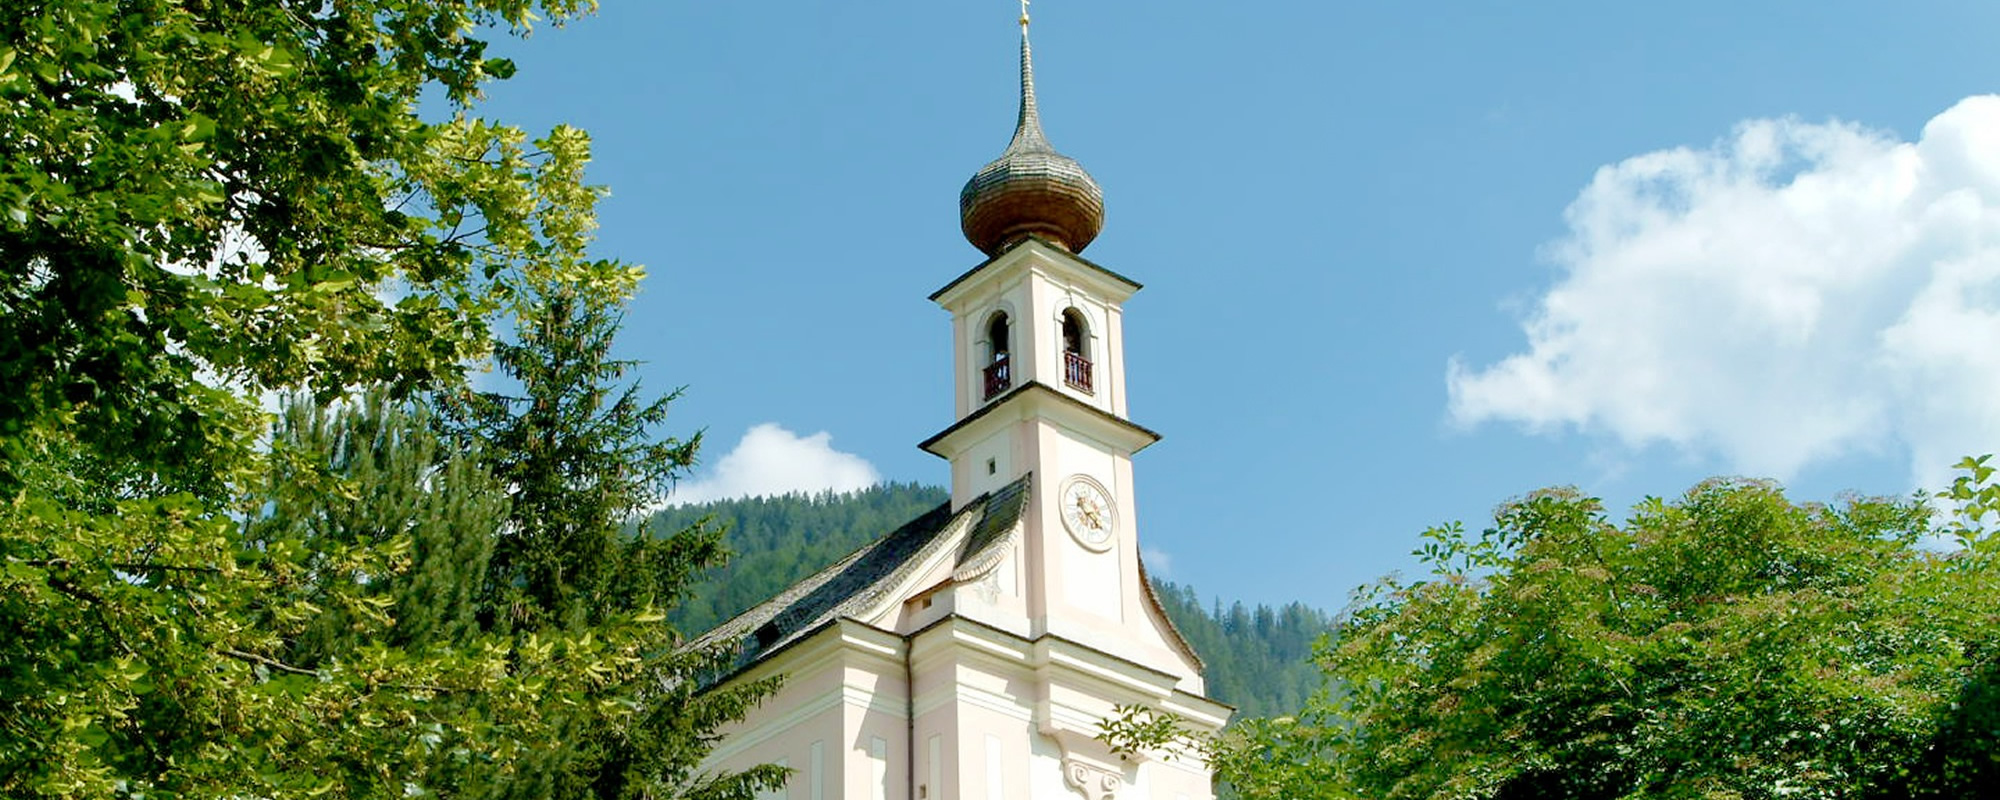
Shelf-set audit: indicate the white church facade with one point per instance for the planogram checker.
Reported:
(973, 653)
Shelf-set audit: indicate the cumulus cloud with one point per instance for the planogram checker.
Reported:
(1159, 562)
(773, 461)
(1795, 293)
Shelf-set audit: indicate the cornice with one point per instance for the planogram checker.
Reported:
(1048, 250)
(1134, 436)
(1050, 654)
(843, 637)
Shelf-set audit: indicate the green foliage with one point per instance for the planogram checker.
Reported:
(1728, 644)
(575, 453)
(1974, 497)
(574, 449)
(292, 649)
(372, 476)
(777, 541)
(225, 188)
(1258, 660)
(202, 203)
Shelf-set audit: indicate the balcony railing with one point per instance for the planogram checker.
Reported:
(1076, 372)
(999, 378)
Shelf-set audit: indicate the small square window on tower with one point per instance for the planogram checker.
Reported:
(992, 466)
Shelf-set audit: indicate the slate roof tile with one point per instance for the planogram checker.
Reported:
(865, 577)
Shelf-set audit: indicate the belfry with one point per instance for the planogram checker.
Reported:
(974, 653)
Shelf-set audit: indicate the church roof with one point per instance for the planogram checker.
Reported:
(866, 577)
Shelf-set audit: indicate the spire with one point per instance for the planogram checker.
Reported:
(1028, 128)
(1030, 189)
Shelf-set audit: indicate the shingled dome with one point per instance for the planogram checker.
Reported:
(1030, 189)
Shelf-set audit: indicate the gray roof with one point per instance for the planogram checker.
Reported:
(865, 577)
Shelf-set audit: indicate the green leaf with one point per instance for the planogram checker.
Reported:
(197, 128)
(26, 573)
(334, 282)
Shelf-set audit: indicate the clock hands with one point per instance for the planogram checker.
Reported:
(1087, 507)
(1087, 512)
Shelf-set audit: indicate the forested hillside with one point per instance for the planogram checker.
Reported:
(775, 541)
(1256, 657)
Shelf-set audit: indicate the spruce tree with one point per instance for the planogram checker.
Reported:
(575, 449)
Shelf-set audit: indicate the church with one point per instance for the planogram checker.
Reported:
(973, 653)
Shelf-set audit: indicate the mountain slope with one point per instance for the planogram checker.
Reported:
(778, 540)
(1257, 658)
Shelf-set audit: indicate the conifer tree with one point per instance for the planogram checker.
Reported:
(372, 473)
(573, 449)
(576, 453)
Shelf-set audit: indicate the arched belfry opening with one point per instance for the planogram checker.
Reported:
(1076, 351)
(999, 373)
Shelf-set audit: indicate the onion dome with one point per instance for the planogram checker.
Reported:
(1030, 189)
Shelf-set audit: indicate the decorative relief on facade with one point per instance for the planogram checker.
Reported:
(1096, 783)
(988, 588)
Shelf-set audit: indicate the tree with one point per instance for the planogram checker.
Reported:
(1263, 669)
(1730, 643)
(307, 645)
(202, 203)
(576, 453)
(372, 474)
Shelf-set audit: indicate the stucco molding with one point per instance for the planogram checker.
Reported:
(841, 645)
(750, 739)
(1039, 257)
(1033, 400)
(1094, 782)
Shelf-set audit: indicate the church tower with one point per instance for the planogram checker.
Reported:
(1039, 386)
(976, 652)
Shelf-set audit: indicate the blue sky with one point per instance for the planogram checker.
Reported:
(1403, 260)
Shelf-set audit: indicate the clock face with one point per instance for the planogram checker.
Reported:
(1087, 513)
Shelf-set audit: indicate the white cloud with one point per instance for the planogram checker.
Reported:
(1158, 562)
(773, 461)
(1795, 293)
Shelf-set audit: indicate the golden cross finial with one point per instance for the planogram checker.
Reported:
(1024, 13)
